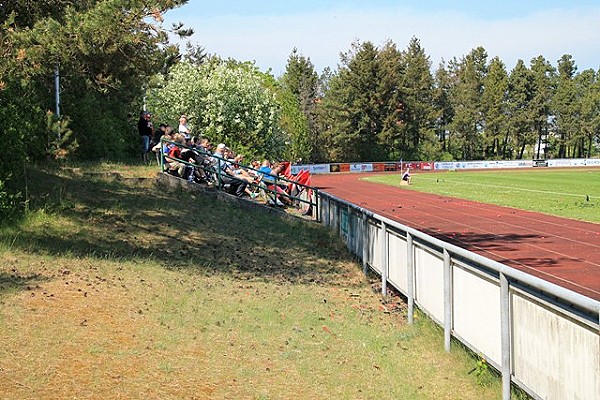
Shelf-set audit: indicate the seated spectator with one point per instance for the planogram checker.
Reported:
(164, 147)
(196, 155)
(269, 178)
(226, 172)
(243, 173)
(173, 157)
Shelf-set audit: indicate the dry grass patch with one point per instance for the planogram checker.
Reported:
(117, 290)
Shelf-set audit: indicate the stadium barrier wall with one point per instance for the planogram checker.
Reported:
(539, 336)
(443, 165)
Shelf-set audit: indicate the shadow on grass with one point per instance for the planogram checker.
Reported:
(107, 218)
(11, 282)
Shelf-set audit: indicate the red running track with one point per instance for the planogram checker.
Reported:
(559, 250)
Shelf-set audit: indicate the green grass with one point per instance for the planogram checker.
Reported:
(570, 193)
(115, 288)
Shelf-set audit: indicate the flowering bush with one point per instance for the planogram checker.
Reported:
(224, 101)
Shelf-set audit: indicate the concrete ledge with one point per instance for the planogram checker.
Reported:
(172, 183)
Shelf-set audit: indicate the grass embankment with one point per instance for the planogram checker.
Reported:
(570, 193)
(112, 288)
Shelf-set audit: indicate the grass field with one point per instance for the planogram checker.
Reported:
(570, 193)
(113, 288)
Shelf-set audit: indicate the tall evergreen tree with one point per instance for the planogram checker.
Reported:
(565, 106)
(418, 113)
(443, 107)
(301, 83)
(588, 87)
(520, 93)
(467, 123)
(350, 108)
(494, 107)
(391, 103)
(543, 89)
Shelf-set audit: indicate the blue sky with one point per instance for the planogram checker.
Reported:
(266, 31)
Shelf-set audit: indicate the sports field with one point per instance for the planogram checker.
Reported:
(570, 193)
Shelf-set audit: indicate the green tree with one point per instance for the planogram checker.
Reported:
(588, 87)
(467, 91)
(494, 107)
(226, 101)
(543, 89)
(391, 106)
(520, 94)
(418, 116)
(443, 108)
(104, 48)
(566, 106)
(349, 112)
(299, 92)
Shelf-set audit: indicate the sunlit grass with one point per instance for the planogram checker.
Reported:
(572, 193)
(117, 289)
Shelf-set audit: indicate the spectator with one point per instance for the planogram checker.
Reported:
(183, 127)
(269, 178)
(406, 176)
(168, 135)
(176, 167)
(196, 155)
(146, 131)
(226, 172)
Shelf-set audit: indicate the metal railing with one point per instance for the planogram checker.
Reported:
(540, 336)
(306, 196)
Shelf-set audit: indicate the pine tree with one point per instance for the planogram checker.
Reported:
(494, 107)
(300, 86)
(443, 108)
(418, 113)
(349, 112)
(467, 123)
(588, 88)
(543, 89)
(565, 106)
(520, 93)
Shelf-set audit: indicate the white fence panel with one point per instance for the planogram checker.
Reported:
(375, 256)
(555, 356)
(429, 283)
(476, 312)
(397, 274)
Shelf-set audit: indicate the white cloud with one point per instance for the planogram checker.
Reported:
(269, 40)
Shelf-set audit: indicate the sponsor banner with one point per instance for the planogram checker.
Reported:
(561, 163)
(378, 167)
(442, 165)
(390, 167)
(482, 164)
(361, 167)
(312, 168)
(422, 165)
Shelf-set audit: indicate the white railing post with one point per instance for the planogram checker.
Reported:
(447, 300)
(365, 243)
(410, 277)
(505, 336)
(384, 259)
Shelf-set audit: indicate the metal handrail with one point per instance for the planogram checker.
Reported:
(219, 172)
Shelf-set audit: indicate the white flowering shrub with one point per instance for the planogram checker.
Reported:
(225, 102)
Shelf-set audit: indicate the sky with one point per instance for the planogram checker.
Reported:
(266, 32)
